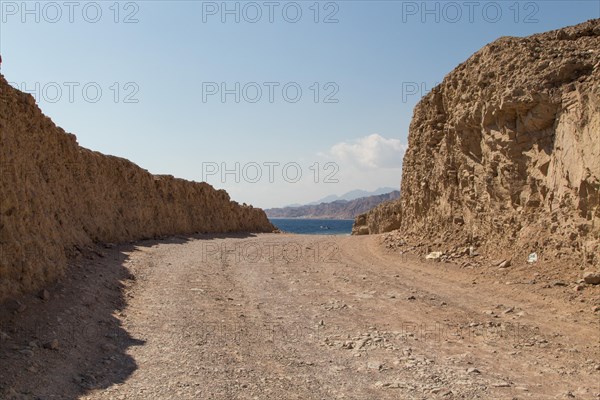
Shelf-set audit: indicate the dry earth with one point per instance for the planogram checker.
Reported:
(273, 316)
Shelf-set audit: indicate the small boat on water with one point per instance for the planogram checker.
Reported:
(324, 227)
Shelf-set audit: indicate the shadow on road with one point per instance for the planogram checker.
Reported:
(68, 341)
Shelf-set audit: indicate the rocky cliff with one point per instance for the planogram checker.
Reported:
(56, 196)
(506, 150)
(383, 218)
(339, 209)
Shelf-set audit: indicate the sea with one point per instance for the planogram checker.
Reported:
(314, 226)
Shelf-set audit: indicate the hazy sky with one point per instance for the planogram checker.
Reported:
(295, 100)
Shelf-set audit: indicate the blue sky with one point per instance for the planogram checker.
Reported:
(321, 89)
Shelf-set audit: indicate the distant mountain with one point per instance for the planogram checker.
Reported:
(338, 209)
(352, 195)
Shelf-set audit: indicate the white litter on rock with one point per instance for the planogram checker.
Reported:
(434, 255)
(532, 258)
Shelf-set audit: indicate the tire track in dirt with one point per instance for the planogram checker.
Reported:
(277, 316)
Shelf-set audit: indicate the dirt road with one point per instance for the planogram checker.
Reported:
(280, 316)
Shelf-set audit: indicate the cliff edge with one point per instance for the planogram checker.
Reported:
(505, 152)
(56, 196)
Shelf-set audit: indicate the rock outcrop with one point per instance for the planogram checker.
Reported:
(56, 196)
(383, 218)
(506, 150)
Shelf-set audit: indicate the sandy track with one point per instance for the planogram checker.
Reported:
(296, 317)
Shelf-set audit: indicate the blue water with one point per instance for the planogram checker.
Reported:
(314, 226)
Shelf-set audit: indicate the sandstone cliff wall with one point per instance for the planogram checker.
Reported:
(506, 150)
(55, 195)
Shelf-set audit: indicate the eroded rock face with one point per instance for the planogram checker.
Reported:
(506, 150)
(384, 218)
(56, 195)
